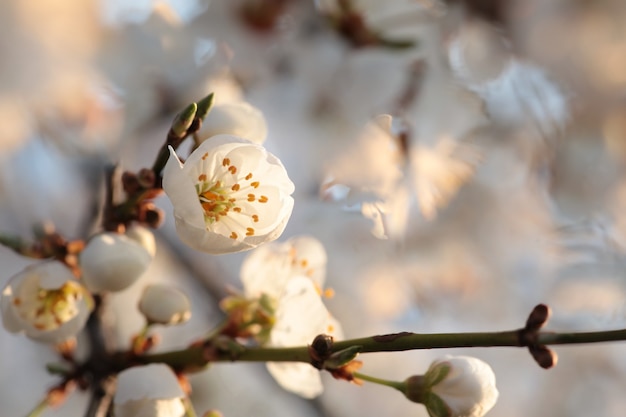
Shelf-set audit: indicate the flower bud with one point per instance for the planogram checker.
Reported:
(459, 386)
(237, 118)
(46, 303)
(113, 262)
(162, 304)
(151, 390)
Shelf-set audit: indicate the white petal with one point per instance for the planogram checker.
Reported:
(299, 378)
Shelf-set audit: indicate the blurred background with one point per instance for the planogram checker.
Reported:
(501, 185)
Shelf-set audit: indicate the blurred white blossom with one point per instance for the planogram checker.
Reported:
(148, 391)
(164, 304)
(45, 302)
(238, 118)
(515, 93)
(300, 317)
(113, 261)
(268, 269)
(230, 195)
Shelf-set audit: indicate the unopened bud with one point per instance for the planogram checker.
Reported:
(113, 262)
(546, 358)
(454, 387)
(204, 106)
(538, 317)
(183, 120)
(162, 304)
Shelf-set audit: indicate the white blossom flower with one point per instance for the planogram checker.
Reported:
(237, 118)
(455, 386)
(164, 304)
(515, 93)
(46, 303)
(148, 391)
(268, 268)
(113, 261)
(230, 195)
(300, 317)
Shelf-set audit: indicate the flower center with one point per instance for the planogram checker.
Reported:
(49, 309)
(233, 192)
(214, 199)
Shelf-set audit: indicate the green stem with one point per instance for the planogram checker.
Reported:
(197, 356)
(39, 408)
(393, 384)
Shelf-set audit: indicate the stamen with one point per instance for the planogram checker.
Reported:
(205, 156)
(251, 197)
(255, 218)
(249, 176)
(235, 187)
(263, 199)
(255, 184)
(237, 209)
(232, 169)
(225, 162)
(233, 235)
(250, 231)
(202, 177)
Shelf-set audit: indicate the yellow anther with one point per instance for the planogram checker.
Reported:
(249, 176)
(255, 218)
(250, 231)
(233, 235)
(251, 197)
(232, 169)
(235, 187)
(255, 184)
(205, 156)
(202, 177)
(263, 199)
(225, 162)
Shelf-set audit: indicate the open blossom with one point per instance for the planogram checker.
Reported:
(148, 391)
(455, 386)
(46, 303)
(230, 195)
(268, 268)
(237, 118)
(113, 261)
(300, 317)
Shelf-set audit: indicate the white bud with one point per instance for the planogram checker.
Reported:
(163, 304)
(148, 391)
(46, 303)
(113, 262)
(238, 119)
(457, 386)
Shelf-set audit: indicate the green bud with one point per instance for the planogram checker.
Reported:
(184, 119)
(204, 106)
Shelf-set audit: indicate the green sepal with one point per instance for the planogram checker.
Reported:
(436, 406)
(436, 374)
